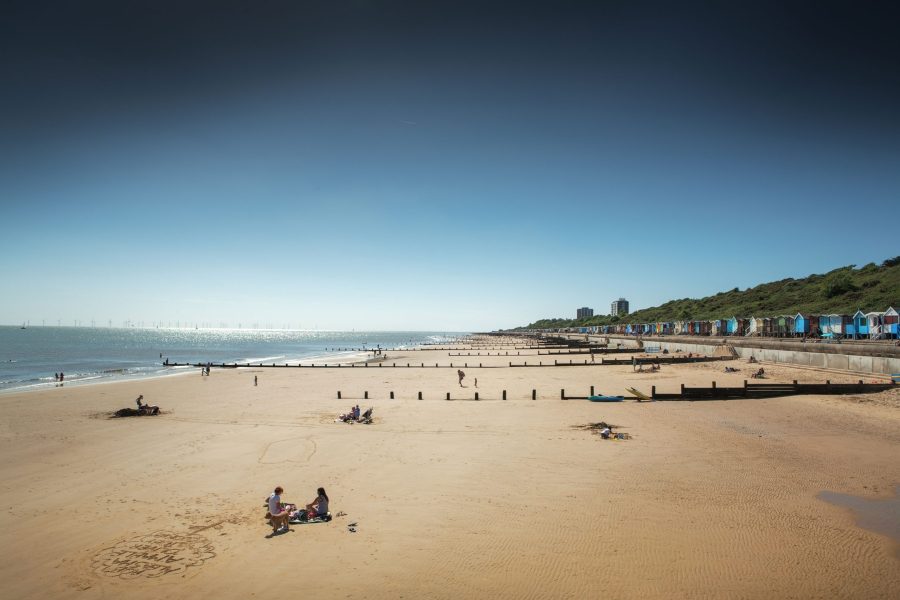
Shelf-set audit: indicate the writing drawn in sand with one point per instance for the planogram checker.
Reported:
(153, 555)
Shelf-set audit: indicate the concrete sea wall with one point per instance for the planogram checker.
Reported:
(875, 358)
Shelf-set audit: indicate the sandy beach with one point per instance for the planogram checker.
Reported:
(459, 499)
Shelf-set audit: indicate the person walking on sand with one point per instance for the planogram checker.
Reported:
(476, 382)
(255, 381)
(461, 376)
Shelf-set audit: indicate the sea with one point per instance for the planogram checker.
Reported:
(30, 357)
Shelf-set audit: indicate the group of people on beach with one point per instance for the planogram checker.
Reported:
(59, 376)
(281, 514)
(354, 416)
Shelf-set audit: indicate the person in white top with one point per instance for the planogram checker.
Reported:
(277, 511)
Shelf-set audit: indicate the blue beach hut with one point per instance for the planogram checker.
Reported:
(731, 326)
(801, 324)
(859, 326)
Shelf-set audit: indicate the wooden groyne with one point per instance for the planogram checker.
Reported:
(770, 390)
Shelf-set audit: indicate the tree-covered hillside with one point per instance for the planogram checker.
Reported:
(841, 291)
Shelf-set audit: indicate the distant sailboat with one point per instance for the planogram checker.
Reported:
(23, 326)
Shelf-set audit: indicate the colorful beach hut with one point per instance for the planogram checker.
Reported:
(755, 326)
(784, 326)
(834, 326)
(859, 326)
(801, 324)
(719, 327)
(875, 322)
(891, 323)
(731, 326)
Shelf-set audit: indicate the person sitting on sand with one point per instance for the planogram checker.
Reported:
(752, 359)
(277, 511)
(319, 506)
(760, 374)
(146, 408)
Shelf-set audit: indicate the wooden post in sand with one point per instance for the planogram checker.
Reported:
(476, 395)
(592, 390)
(448, 395)
(420, 395)
(562, 394)
(534, 394)
(365, 395)
(504, 394)
(392, 395)
(339, 394)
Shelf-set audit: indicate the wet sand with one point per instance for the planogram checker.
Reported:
(493, 498)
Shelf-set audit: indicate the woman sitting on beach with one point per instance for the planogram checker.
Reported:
(319, 506)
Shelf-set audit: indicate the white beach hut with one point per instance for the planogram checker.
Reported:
(755, 327)
(875, 320)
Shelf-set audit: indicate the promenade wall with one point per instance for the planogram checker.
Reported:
(877, 358)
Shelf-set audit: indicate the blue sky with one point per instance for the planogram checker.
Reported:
(449, 173)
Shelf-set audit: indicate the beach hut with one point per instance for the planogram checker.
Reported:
(859, 326)
(834, 326)
(738, 326)
(875, 322)
(731, 326)
(718, 327)
(755, 327)
(678, 327)
(801, 324)
(891, 323)
(769, 324)
(784, 326)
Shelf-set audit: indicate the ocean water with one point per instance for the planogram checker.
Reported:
(30, 357)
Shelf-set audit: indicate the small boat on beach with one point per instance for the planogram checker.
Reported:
(606, 398)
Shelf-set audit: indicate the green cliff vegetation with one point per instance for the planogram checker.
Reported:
(841, 291)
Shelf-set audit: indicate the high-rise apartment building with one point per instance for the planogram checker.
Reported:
(584, 312)
(619, 307)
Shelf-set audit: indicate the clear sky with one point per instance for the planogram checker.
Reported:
(429, 165)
